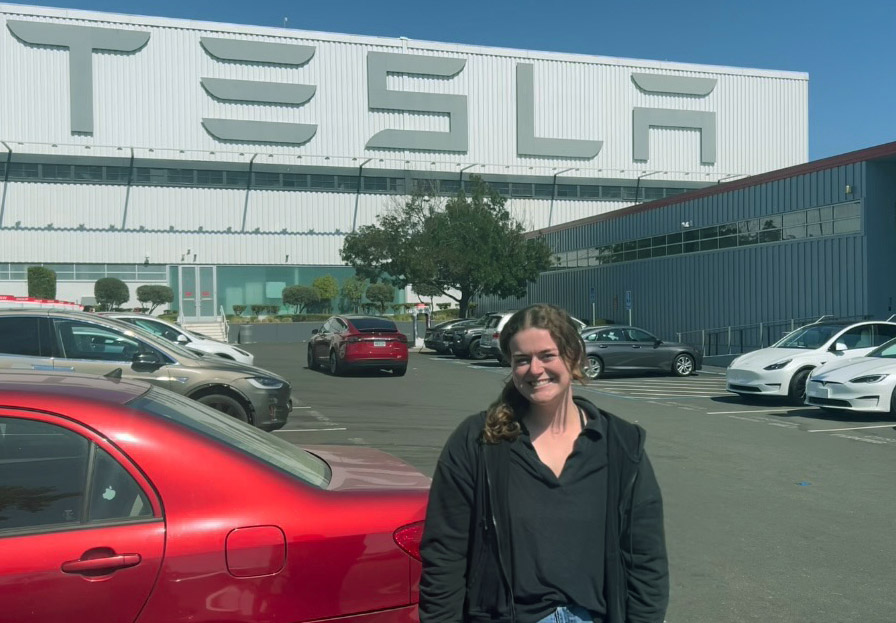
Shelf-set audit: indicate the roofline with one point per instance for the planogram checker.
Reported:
(852, 157)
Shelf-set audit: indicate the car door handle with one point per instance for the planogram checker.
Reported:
(64, 368)
(107, 564)
(636, 346)
(602, 346)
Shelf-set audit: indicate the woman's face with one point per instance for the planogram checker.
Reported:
(539, 372)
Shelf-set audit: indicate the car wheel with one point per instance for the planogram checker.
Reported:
(796, 395)
(504, 361)
(476, 352)
(683, 365)
(400, 370)
(225, 404)
(460, 354)
(335, 364)
(593, 367)
(312, 364)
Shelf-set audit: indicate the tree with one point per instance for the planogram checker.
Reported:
(300, 296)
(327, 289)
(380, 294)
(471, 245)
(353, 291)
(41, 282)
(155, 295)
(427, 290)
(110, 292)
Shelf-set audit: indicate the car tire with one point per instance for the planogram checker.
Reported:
(475, 352)
(459, 353)
(400, 370)
(594, 367)
(502, 360)
(312, 363)
(227, 405)
(796, 393)
(683, 365)
(335, 364)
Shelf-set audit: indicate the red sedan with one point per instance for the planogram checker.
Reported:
(121, 502)
(348, 342)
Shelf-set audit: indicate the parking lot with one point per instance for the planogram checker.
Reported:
(773, 512)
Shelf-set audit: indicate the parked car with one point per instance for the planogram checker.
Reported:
(347, 342)
(464, 339)
(436, 337)
(93, 344)
(125, 502)
(859, 384)
(783, 369)
(188, 339)
(493, 323)
(632, 349)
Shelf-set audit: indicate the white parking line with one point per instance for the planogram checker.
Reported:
(306, 430)
(832, 430)
(755, 411)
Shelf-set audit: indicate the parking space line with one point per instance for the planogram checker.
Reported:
(306, 430)
(833, 430)
(755, 411)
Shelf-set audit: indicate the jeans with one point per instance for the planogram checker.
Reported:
(568, 614)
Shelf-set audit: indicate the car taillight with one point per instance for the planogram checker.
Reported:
(408, 538)
(495, 336)
(402, 337)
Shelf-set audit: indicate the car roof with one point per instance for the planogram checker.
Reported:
(41, 385)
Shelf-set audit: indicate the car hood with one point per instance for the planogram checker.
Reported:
(219, 363)
(842, 371)
(355, 468)
(758, 359)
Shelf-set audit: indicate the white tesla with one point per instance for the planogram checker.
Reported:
(783, 368)
(862, 384)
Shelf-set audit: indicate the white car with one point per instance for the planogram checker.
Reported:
(188, 339)
(862, 384)
(783, 369)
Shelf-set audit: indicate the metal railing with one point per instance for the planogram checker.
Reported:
(737, 339)
(225, 323)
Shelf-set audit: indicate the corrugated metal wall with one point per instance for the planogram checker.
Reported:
(741, 286)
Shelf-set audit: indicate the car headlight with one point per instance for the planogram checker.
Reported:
(778, 365)
(265, 382)
(870, 378)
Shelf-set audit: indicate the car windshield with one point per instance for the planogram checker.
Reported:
(810, 337)
(887, 350)
(242, 437)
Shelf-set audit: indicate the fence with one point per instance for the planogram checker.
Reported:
(734, 340)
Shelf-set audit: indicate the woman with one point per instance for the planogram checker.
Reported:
(544, 507)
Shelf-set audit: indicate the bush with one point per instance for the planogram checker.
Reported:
(379, 294)
(239, 309)
(155, 295)
(110, 292)
(300, 297)
(257, 309)
(41, 282)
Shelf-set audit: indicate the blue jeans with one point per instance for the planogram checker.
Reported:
(568, 614)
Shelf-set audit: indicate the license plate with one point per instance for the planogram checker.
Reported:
(379, 343)
(821, 392)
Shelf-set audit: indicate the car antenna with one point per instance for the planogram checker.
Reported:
(115, 374)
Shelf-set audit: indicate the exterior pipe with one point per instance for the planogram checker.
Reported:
(248, 187)
(127, 193)
(5, 181)
(358, 193)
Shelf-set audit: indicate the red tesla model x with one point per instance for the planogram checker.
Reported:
(124, 502)
(349, 342)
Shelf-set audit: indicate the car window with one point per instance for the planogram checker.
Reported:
(611, 335)
(156, 328)
(45, 471)
(374, 324)
(244, 438)
(883, 333)
(20, 335)
(82, 340)
(857, 337)
(637, 335)
(809, 337)
(887, 350)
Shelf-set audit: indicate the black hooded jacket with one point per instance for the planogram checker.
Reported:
(466, 548)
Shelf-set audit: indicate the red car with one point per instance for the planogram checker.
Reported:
(348, 342)
(121, 502)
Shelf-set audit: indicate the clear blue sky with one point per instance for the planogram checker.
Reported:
(847, 48)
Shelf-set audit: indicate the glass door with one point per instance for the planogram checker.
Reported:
(197, 292)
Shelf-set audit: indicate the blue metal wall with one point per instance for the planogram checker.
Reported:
(762, 283)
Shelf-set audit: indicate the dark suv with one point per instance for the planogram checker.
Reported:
(464, 339)
(439, 337)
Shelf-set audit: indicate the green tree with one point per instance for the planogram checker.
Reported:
(41, 282)
(300, 297)
(327, 289)
(353, 289)
(471, 245)
(380, 294)
(110, 292)
(428, 291)
(155, 296)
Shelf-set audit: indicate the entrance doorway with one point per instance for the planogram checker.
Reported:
(197, 293)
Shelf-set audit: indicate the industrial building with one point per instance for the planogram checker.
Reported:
(229, 161)
(734, 266)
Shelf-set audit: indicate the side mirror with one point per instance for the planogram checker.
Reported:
(839, 346)
(182, 339)
(147, 359)
(657, 342)
(315, 331)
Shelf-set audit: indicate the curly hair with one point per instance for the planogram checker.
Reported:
(502, 417)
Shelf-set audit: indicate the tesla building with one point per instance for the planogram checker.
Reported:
(229, 161)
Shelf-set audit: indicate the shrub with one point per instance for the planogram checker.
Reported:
(239, 309)
(155, 295)
(257, 309)
(110, 292)
(379, 294)
(300, 297)
(41, 282)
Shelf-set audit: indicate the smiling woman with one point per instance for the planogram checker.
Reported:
(538, 447)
